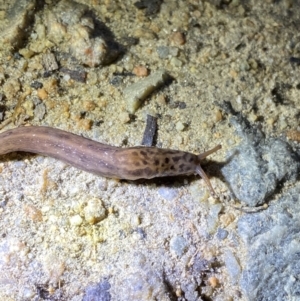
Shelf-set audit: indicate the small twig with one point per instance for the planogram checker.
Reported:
(229, 201)
(6, 122)
(247, 209)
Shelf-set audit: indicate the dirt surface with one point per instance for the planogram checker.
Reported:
(66, 64)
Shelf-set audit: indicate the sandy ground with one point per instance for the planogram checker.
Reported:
(162, 239)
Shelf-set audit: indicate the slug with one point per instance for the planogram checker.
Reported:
(109, 161)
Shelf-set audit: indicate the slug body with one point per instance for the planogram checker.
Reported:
(123, 163)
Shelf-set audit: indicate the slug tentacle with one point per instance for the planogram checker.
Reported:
(203, 175)
(209, 152)
(201, 172)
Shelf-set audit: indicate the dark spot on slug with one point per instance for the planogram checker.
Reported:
(187, 169)
(172, 167)
(185, 156)
(150, 151)
(141, 173)
(143, 153)
(134, 153)
(167, 160)
(176, 159)
(145, 162)
(156, 162)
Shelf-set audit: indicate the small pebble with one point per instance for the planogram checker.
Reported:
(177, 38)
(178, 245)
(162, 51)
(89, 105)
(28, 292)
(94, 212)
(218, 115)
(51, 85)
(221, 234)
(98, 292)
(161, 100)
(173, 51)
(179, 126)
(233, 266)
(213, 217)
(11, 87)
(124, 117)
(36, 85)
(136, 93)
(42, 94)
(253, 64)
(293, 135)
(26, 53)
(244, 66)
(213, 281)
(92, 78)
(28, 106)
(135, 221)
(144, 33)
(85, 124)
(76, 220)
(49, 62)
(175, 62)
(168, 194)
(33, 213)
(226, 219)
(140, 71)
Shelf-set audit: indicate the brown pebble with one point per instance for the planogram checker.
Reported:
(140, 71)
(85, 124)
(51, 85)
(213, 281)
(124, 117)
(178, 292)
(293, 135)
(42, 94)
(218, 115)
(177, 38)
(110, 210)
(89, 105)
(233, 73)
(161, 100)
(33, 213)
(226, 219)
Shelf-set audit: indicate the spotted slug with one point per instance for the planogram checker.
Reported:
(109, 161)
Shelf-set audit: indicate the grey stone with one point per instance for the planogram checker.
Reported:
(178, 245)
(258, 165)
(232, 265)
(272, 240)
(221, 234)
(98, 292)
(40, 111)
(163, 52)
(169, 194)
(20, 19)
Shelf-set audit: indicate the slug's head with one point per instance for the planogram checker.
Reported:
(200, 171)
